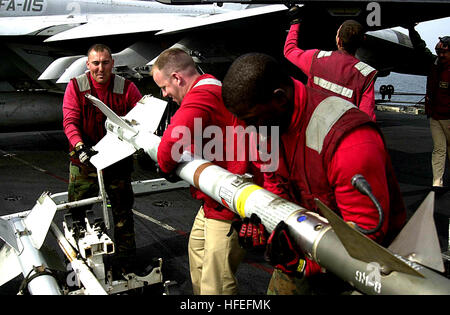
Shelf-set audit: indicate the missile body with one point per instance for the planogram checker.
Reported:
(30, 258)
(375, 271)
(24, 236)
(311, 232)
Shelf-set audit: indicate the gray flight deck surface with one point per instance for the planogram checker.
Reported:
(33, 162)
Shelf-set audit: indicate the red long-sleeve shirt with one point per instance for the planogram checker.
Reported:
(72, 112)
(201, 107)
(361, 151)
(303, 60)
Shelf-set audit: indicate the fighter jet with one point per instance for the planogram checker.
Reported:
(44, 43)
(40, 31)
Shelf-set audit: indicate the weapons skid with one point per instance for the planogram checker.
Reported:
(24, 234)
(329, 241)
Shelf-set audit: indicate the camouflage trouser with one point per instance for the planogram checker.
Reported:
(83, 183)
(320, 284)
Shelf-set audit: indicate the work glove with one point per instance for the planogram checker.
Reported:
(281, 252)
(295, 15)
(85, 153)
(251, 232)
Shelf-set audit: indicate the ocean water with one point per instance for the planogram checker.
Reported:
(403, 83)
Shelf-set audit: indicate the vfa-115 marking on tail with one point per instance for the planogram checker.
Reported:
(408, 266)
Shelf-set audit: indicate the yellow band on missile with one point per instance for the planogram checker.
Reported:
(242, 198)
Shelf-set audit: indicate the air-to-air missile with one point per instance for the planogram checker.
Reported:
(24, 236)
(410, 265)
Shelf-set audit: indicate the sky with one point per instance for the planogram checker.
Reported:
(430, 31)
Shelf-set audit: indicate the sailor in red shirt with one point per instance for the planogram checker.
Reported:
(213, 256)
(84, 126)
(437, 100)
(324, 142)
(338, 72)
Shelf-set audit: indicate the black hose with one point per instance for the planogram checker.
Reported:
(360, 183)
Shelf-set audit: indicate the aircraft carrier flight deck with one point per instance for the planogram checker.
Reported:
(34, 162)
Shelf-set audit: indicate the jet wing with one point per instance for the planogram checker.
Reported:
(114, 24)
(394, 12)
(162, 23)
(219, 18)
(38, 25)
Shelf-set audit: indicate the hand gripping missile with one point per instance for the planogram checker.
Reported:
(331, 242)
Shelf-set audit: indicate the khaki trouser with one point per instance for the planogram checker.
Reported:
(440, 133)
(213, 256)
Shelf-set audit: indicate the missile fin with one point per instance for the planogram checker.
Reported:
(109, 113)
(40, 218)
(147, 113)
(8, 234)
(361, 247)
(110, 150)
(145, 117)
(9, 264)
(418, 240)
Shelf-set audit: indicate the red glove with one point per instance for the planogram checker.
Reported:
(251, 232)
(282, 253)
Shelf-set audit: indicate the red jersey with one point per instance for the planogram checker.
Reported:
(202, 107)
(83, 121)
(336, 72)
(437, 101)
(351, 146)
